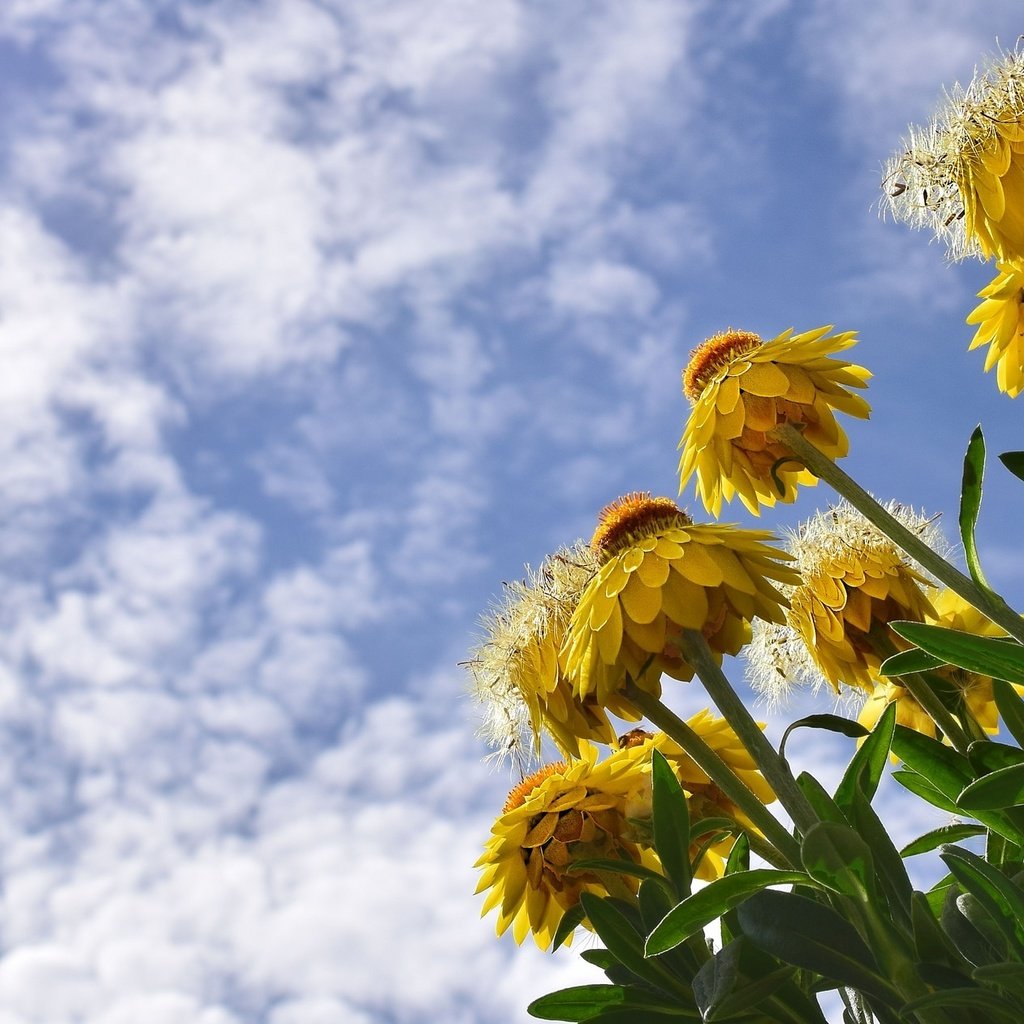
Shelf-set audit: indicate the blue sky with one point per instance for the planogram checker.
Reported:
(319, 320)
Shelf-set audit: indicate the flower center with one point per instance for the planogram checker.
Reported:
(631, 517)
(518, 795)
(710, 356)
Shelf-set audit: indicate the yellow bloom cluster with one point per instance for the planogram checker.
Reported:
(854, 581)
(742, 389)
(589, 809)
(515, 668)
(963, 176)
(660, 574)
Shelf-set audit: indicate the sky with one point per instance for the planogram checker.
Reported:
(319, 319)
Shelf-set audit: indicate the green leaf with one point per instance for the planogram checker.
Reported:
(990, 756)
(929, 939)
(623, 940)
(702, 826)
(970, 928)
(908, 663)
(833, 723)
(938, 836)
(739, 856)
(970, 998)
(1009, 977)
(838, 858)
(1014, 462)
(983, 655)
(616, 867)
(577, 1003)
(970, 503)
(643, 1015)
(995, 791)
(1011, 708)
(919, 786)
(671, 823)
(711, 902)
(807, 934)
(1002, 899)
(866, 766)
(599, 958)
(890, 870)
(817, 796)
(943, 768)
(571, 920)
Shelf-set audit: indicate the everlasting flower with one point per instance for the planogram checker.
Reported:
(658, 575)
(562, 814)
(741, 389)
(963, 174)
(515, 669)
(909, 713)
(855, 580)
(1000, 319)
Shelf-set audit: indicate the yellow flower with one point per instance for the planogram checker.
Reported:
(561, 814)
(660, 574)
(855, 580)
(741, 389)
(1001, 326)
(963, 174)
(909, 713)
(515, 668)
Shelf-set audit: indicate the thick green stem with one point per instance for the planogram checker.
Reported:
(822, 466)
(719, 772)
(695, 651)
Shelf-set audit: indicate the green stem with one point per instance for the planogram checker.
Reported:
(822, 466)
(695, 651)
(786, 847)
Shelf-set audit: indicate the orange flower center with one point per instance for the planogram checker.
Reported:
(633, 516)
(710, 356)
(518, 795)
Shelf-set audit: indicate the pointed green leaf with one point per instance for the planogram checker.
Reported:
(936, 895)
(616, 867)
(838, 858)
(1009, 977)
(576, 1003)
(1011, 708)
(908, 663)
(938, 836)
(995, 791)
(970, 928)
(1001, 898)
(807, 934)
(599, 958)
(866, 766)
(890, 871)
(970, 503)
(929, 939)
(1014, 462)
(970, 999)
(990, 756)
(943, 768)
(919, 786)
(833, 723)
(739, 856)
(711, 902)
(817, 796)
(571, 920)
(671, 823)
(983, 655)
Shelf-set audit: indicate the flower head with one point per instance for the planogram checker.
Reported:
(515, 668)
(562, 814)
(963, 174)
(660, 574)
(855, 580)
(741, 389)
(909, 713)
(1000, 319)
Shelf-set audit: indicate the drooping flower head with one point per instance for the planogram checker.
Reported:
(1000, 319)
(855, 580)
(515, 668)
(741, 389)
(562, 814)
(962, 175)
(659, 574)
